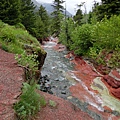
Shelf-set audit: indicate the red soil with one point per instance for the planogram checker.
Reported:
(63, 111)
(11, 78)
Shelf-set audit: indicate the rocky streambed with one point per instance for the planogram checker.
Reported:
(80, 85)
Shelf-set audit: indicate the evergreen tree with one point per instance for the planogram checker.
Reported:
(67, 27)
(107, 8)
(78, 17)
(38, 31)
(10, 11)
(57, 15)
(45, 19)
(28, 15)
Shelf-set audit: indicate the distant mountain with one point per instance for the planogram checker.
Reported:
(48, 7)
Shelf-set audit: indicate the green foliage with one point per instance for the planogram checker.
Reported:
(20, 25)
(28, 16)
(21, 13)
(19, 41)
(29, 103)
(52, 103)
(28, 60)
(106, 37)
(107, 8)
(96, 40)
(81, 39)
(41, 23)
(78, 17)
(39, 30)
(57, 15)
(67, 27)
(106, 33)
(115, 60)
(16, 39)
(10, 11)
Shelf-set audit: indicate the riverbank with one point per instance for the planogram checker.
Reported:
(11, 78)
(74, 79)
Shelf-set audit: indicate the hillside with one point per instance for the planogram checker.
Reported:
(17, 40)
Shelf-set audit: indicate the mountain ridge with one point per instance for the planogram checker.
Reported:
(48, 6)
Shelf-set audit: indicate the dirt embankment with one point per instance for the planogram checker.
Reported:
(11, 78)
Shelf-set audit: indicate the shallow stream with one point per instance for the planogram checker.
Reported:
(57, 67)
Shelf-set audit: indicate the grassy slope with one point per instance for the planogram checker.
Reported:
(16, 40)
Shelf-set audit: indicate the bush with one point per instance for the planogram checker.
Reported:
(28, 60)
(67, 27)
(106, 33)
(29, 103)
(20, 25)
(106, 38)
(81, 39)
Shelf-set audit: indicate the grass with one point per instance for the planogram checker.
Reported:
(52, 103)
(14, 39)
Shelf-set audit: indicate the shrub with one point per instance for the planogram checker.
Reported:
(20, 25)
(81, 39)
(67, 27)
(27, 60)
(52, 103)
(115, 60)
(29, 103)
(106, 37)
(106, 33)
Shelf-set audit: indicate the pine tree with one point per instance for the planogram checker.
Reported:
(108, 8)
(10, 11)
(28, 15)
(44, 18)
(78, 17)
(57, 15)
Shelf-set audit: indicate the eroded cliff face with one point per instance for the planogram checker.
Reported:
(41, 55)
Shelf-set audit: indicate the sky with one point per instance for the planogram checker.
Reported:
(71, 5)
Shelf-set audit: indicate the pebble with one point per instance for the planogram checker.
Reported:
(69, 97)
(63, 92)
(45, 84)
(56, 79)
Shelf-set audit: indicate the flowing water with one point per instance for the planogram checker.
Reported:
(57, 67)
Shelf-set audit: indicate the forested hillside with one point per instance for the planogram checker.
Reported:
(96, 36)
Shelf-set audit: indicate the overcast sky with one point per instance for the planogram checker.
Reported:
(71, 5)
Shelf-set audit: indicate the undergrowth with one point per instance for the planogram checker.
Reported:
(94, 39)
(30, 102)
(17, 40)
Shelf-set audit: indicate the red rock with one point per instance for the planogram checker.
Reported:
(113, 85)
(111, 81)
(107, 109)
(115, 92)
(116, 73)
(59, 47)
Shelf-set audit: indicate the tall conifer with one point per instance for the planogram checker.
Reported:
(57, 17)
